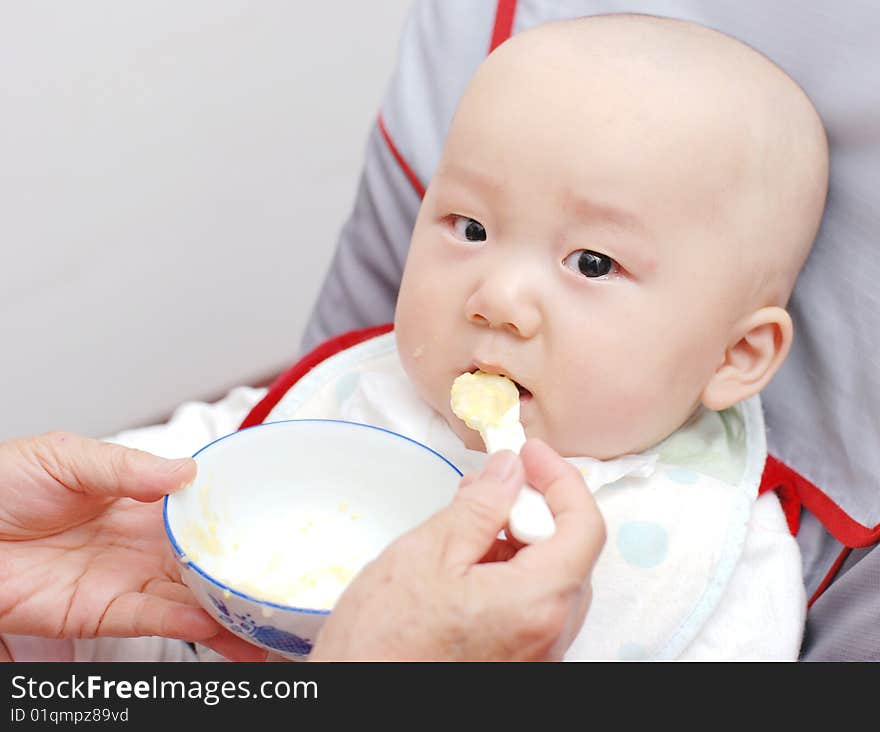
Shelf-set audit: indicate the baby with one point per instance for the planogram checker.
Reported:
(620, 212)
(616, 223)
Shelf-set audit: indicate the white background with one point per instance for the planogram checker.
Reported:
(173, 177)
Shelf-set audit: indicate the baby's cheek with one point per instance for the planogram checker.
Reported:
(423, 370)
(414, 323)
(598, 416)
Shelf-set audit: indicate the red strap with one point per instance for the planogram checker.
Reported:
(829, 577)
(503, 23)
(501, 31)
(282, 384)
(794, 491)
(777, 477)
(401, 161)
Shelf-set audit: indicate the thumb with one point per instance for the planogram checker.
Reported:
(480, 509)
(102, 469)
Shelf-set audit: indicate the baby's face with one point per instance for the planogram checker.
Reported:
(576, 248)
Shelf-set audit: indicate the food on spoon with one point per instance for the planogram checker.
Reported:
(489, 404)
(483, 400)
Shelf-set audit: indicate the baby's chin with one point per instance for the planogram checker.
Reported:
(601, 448)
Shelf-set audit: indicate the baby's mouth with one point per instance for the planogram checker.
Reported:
(524, 394)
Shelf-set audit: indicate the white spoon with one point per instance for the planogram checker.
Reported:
(489, 403)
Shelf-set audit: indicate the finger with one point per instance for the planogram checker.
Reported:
(155, 615)
(471, 523)
(467, 479)
(103, 469)
(580, 529)
(136, 614)
(174, 591)
(234, 648)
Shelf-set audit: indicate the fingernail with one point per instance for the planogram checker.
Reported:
(501, 465)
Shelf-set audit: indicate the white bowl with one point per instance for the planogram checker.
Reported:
(283, 514)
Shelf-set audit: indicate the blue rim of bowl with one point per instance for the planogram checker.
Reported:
(225, 588)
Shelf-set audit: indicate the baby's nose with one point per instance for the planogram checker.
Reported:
(505, 303)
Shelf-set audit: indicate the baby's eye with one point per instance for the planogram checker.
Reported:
(590, 263)
(468, 229)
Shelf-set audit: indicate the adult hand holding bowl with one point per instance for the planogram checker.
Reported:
(282, 515)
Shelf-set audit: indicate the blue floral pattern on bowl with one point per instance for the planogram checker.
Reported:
(267, 635)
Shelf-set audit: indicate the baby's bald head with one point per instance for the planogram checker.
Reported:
(622, 206)
(728, 125)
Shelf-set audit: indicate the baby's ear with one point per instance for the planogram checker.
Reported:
(760, 343)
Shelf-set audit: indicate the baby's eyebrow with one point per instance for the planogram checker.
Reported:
(469, 176)
(590, 210)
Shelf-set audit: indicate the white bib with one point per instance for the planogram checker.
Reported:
(676, 515)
